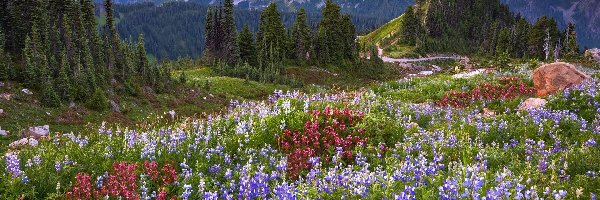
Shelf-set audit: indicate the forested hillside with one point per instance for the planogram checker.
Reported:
(485, 27)
(176, 29)
(55, 48)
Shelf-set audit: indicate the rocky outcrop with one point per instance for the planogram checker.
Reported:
(551, 78)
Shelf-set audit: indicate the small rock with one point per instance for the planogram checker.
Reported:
(533, 103)
(36, 132)
(551, 78)
(72, 105)
(6, 96)
(1, 112)
(488, 113)
(3, 132)
(436, 68)
(23, 142)
(114, 106)
(1, 84)
(26, 91)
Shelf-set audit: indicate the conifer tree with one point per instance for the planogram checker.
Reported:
(329, 34)
(571, 46)
(4, 60)
(49, 96)
(247, 46)
(229, 45)
(409, 26)
(63, 86)
(503, 42)
(141, 62)
(209, 34)
(301, 37)
(348, 37)
(271, 37)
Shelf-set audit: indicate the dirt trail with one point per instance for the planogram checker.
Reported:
(407, 60)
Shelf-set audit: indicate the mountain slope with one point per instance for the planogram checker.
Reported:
(385, 31)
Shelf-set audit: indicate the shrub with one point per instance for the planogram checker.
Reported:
(98, 101)
(329, 131)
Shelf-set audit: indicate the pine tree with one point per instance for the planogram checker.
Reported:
(301, 37)
(247, 46)
(271, 37)
(503, 42)
(141, 61)
(519, 48)
(329, 34)
(49, 96)
(348, 37)
(63, 86)
(209, 34)
(409, 26)
(229, 45)
(571, 46)
(4, 60)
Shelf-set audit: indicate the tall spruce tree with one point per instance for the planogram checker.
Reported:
(271, 37)
(229, 45)
(301, 37)
(209, 34)
(329, 34)
(503, 42)
(409, 26)
(247, 47)
(571, 47)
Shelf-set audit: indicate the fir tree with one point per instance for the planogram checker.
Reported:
(503, 42)
(209, 34)
(301, 37)
(4, 60)
(571, 46)
(141, 61)
(271, 37)
(247, 46)
(409, 26)
(229, 34)
(63, 86)
(329, 34)
(49, 96)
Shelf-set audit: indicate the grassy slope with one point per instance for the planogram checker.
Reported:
(382, 32)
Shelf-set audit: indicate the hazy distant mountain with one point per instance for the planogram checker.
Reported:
(384, 9)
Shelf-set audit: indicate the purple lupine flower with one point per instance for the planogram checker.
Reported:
(13, 165)
(285, 191)
(590, 143)
(187, 191)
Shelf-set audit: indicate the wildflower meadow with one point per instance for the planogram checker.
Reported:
(419, 138)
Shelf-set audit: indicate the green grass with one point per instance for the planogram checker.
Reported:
(400, 51)
(232, 88)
